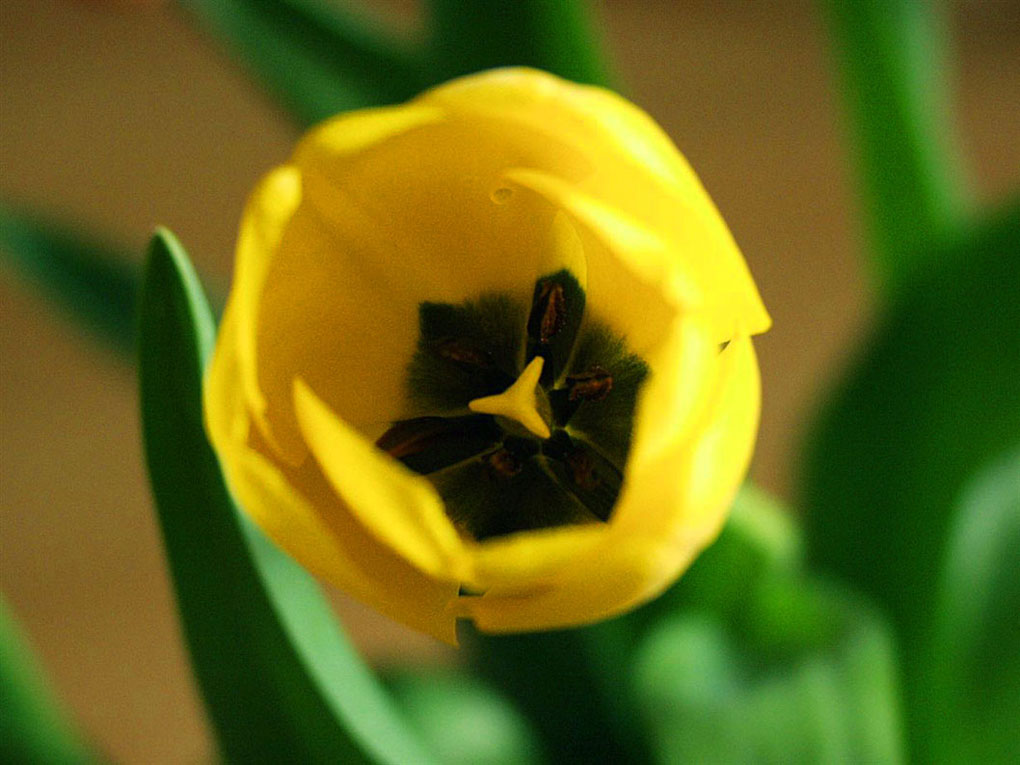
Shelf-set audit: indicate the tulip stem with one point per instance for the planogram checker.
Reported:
(890, 57)
(558, 36)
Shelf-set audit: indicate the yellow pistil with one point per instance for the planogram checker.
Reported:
(518, 402)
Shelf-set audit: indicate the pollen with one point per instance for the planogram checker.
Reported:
(554, 311)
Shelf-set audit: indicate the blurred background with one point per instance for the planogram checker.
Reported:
(117, 117)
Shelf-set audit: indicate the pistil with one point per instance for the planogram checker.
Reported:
(518, 402)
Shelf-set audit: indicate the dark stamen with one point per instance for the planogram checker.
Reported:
(591, 385)
(591, 478)
(428, 444)
(582, 470)
(554, 312)
(503, 463)
(557, 308)
(495, 480)
(464, 353)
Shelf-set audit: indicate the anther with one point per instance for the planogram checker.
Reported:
(502, 463)
(591, 385)
(463, 353)
(554, 312)
(582, 470)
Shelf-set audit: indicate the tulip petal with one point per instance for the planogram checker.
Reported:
(308, 523)
(266, 216)
(335, 551)
(679, 388)
(688, 488)
(682, 264)
(464, 232)
(328, 316)
(547, 104)
(361, 286)
(519, 560)
(600, 584)
(639, 173)
(399, 507)
(339, 139)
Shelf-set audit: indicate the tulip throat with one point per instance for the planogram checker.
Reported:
(525, 413)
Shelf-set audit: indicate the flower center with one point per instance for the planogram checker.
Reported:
(530, 413)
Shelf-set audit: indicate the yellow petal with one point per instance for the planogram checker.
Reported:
(680, 386)
(638, 172)
(265, 218)
(523, 561)
(722, 452)
(687, 489)
(546, 104)
(328, 314)
(597, 585)
(298, 511)
(694, 265)
(335, 550)
(342, 138)
(399, 507)
(460, 234)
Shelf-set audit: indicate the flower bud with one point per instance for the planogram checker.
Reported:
(487, 355)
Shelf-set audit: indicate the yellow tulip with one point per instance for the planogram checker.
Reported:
(487, 356)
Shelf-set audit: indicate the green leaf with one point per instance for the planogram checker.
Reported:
(33, 725)
(890, 56)
(759, 538)
(573, 684)
(280, 681)
(558, 36)
(807, 677)
(567, 685)
(318, 58)
(94, 282)
(974, 666)
(465, 721)
(932, 398)
(745, 659)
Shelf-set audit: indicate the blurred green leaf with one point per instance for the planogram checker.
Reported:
(280, 681)
(573, 685)
(94, 282)
(567, 684)
(464, 720)
(932, 398)
(890, 54)
(318, 58)
(759, 538)
(558, 36)
(974, 666)
(816, 685)
(33, 725)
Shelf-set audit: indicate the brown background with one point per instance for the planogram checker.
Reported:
(121, 120)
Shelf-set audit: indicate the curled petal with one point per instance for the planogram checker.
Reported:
(401, 508)
(308, 523)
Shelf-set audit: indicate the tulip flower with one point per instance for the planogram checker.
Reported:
(487, 355)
